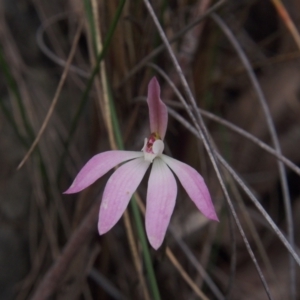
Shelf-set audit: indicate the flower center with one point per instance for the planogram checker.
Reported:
(153, 147)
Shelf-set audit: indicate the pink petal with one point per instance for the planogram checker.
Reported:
(118, 191)
(194, 185)
(161, 196)
(158, 112)
(97, 166)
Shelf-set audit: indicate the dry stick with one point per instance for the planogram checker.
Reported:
(80, 237)
(44, 48)
(183, 273)
(97, 80)
(56, 96)
(254, 232)
(105, 105)
(274, 137)
(194, 261)
(245, 188)
(287, 21)
(201, 128)
(134, 252)
(251, 138)
(55, 39)
(245, 134)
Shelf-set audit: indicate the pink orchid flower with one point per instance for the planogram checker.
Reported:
(162, 186)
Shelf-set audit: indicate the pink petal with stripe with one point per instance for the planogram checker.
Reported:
(118, 191)
(158, 113)
(194, 185)
(97, 166)
(161, 196)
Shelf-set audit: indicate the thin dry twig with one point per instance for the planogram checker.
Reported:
(56, 96)
(283, 13)
(274, 137)
(135, 256)
(51, 55)
(245, 188)
(106, 112)
(184, 275)
(257, 239)
(244, 134)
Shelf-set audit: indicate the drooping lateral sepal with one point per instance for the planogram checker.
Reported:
(99, 165)
(118, 191)
(194, 185)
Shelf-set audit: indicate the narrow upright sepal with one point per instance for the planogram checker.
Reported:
(158, 112)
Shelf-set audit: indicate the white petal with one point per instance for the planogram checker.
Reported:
(161, 196)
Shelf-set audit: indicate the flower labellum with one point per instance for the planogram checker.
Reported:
(162, 186)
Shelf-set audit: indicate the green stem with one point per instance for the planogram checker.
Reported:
(146, 252)
(90, 17)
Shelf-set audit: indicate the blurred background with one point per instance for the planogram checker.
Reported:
(79, 70)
